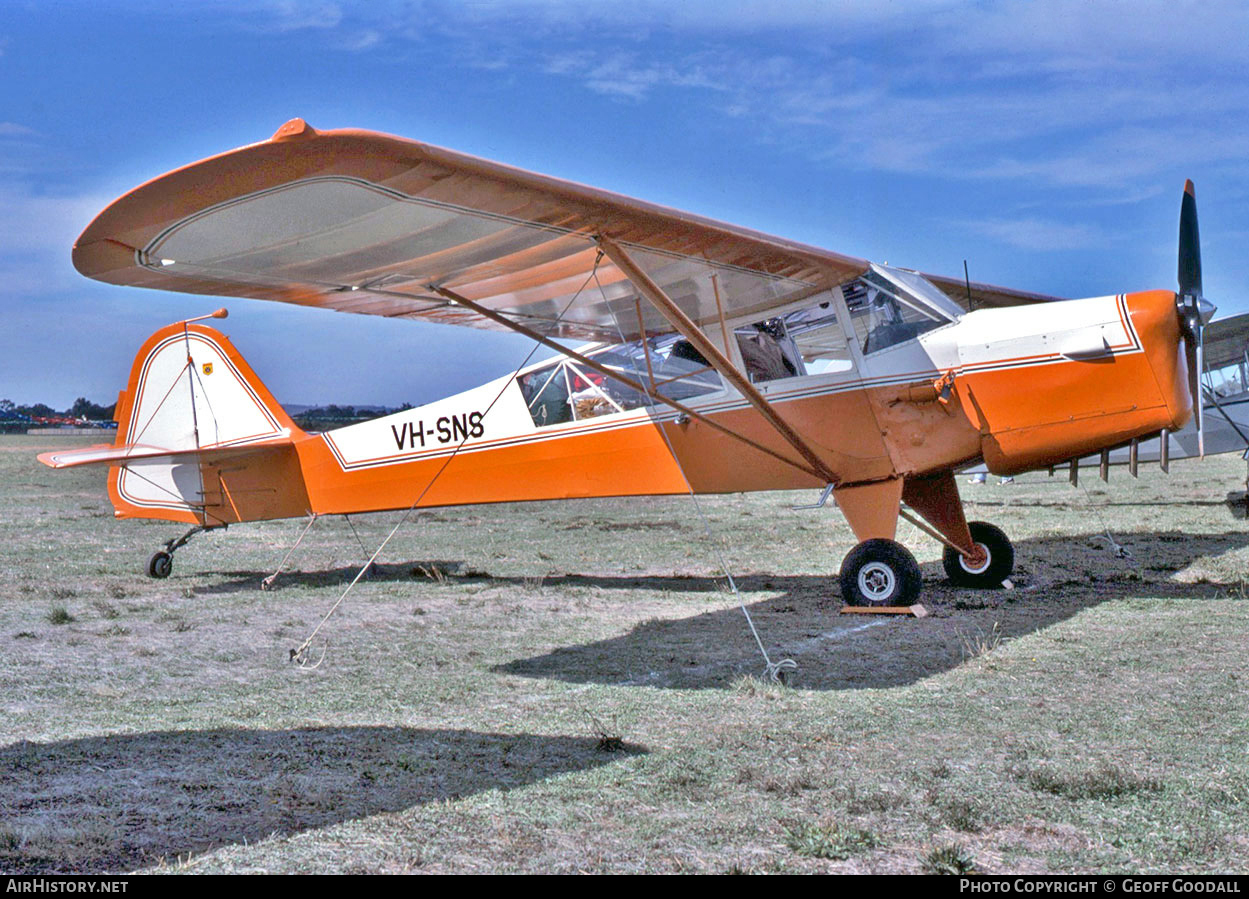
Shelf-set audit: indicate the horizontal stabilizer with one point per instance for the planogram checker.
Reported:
(107, 454)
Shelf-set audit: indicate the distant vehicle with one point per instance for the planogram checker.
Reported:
(721, 359)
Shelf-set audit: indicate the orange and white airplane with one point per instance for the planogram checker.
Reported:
(719, 359)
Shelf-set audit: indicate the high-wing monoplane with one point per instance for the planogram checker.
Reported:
(715, 359)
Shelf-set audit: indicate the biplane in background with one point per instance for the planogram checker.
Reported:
(719, 359)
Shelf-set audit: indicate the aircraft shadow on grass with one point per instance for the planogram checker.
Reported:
(1055, 578)
(125, 801)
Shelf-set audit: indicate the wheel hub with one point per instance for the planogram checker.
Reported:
(978, 561)
(877, 581)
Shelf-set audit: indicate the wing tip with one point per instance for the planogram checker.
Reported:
(295, 128)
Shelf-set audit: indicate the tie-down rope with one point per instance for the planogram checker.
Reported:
(299, 654)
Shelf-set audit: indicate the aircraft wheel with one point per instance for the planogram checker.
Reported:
(880, 572)
(160, 565)
(997, 566)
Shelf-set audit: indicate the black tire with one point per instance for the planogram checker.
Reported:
(160, 565)
(989, 576)
(880, 572)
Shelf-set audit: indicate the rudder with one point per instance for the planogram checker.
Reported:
(193, 395)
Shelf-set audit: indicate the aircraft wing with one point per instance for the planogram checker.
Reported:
(1226, 340)
(986, 296)
(363, 222)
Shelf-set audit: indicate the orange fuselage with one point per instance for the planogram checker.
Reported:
(1020, 395)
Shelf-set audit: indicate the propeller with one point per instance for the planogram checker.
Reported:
(1194, 310)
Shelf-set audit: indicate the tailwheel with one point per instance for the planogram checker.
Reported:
(989, 571)
(880, 572)
(160, 565)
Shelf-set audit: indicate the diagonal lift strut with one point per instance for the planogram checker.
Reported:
(632, 384)
(691, 332)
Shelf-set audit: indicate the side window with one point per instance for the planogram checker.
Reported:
(569, 391)
(806, 341)
(680, 371)
(589, 393)
(819, 339)
(546, 393)
(1226, 380)
(768, 352)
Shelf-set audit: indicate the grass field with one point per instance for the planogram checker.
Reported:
(569, 687)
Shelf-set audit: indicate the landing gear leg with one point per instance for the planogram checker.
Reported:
(160, 565)
(880, 572)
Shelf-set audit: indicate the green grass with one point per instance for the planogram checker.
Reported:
(951, 858)
(828, 841)
(59, 615)
(567, 687)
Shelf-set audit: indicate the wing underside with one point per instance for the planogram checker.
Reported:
(361, 222)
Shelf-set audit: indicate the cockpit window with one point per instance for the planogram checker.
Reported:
(913, 289)
(768, 351)
(805, 341)
(819, 339)
(890, 306)
(569, 391)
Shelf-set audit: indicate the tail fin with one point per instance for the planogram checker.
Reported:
(191, 390)
(199, 437)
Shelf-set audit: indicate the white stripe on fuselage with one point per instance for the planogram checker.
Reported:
(985, 340)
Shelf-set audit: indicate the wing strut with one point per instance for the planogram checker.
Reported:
(820, 472)
(712, 354)
(1214, 399)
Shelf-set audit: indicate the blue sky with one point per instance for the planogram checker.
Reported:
(1046, 143)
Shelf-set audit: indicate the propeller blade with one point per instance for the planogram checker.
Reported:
(1194, 382)
(1190, 244)
(1193, 309)
(1197, 397)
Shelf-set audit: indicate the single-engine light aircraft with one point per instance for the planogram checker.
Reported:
(717, 359)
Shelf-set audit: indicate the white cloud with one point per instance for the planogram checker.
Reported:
(296, 15)
(1041, 93)
(361, 40)
(626, 75)
(1038, 234)
(37, 233)
(282, 16)
(1078, 94)
(690, 16)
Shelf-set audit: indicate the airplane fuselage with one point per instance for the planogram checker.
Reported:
(1021, 388)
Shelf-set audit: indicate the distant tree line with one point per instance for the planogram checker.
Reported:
(16, 418)
(327, 418)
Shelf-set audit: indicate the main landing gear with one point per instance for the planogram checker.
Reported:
(882, 572)
(995, 567)
(160, 565)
